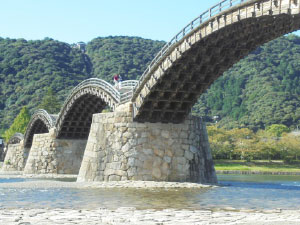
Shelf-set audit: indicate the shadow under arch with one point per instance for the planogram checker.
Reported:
(203, 50)
(89, 97)
(41, 122)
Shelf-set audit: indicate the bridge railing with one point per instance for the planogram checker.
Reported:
(127, 88)
(128, 84)
(93, 81)
(125, 97)
(47, 116)
(43, 112)
(193, 25)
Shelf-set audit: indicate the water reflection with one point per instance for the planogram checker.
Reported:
(238, 191)
(93, 198)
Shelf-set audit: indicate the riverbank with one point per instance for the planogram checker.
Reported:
(130, 215)
(241, 172)
(256, 167)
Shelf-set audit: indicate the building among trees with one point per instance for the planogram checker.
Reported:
(81, 46)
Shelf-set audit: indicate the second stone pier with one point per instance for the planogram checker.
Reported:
(120, 149)
(49, 155)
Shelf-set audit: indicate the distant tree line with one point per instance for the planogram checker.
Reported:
(274, 143)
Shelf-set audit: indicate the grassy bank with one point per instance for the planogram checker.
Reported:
(257, 165)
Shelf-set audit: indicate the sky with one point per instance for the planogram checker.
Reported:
(72, 21)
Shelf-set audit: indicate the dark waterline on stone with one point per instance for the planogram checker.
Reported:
(237, 191)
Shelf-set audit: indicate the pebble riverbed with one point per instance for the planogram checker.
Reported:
(131, 215)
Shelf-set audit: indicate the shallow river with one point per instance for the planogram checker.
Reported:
(237, 191)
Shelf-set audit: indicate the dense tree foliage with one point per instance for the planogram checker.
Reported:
(277, 129)
(28, 68)
(50, 102)
(19, 125)
(127, 56)
(243, 143)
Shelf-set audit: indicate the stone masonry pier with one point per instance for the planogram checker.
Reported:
(16, 157)
(49, 155)
(120, 149)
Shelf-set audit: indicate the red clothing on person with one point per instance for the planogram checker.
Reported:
(116, 77)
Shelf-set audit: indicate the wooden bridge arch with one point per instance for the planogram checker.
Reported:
(203, 50)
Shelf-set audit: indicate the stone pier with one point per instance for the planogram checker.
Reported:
(120, 149)
(16, 157)
(49, 155)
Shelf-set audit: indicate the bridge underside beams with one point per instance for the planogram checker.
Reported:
(77, 122)
(39, 127)
(193, 66)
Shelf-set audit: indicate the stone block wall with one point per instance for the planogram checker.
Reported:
(120, 149)
(57, 156)
(16, 157)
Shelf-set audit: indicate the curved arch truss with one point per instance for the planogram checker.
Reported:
(89, 97)
(16, 138)
(203, 50)
(41, 122)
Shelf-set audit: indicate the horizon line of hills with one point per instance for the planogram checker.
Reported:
(260, 90)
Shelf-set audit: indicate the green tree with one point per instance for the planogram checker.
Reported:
(50, 102)
(277, 129)
(290, 147)
(19, 125)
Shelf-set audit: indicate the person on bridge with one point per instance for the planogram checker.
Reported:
(116, 80)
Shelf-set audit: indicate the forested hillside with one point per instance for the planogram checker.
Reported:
(127, 56)
(260, 90)
(29, 68)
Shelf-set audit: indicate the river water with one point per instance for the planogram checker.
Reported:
(237, 191)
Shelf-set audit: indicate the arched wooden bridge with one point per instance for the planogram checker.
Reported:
(16, 138)
(203, 50)
(74, 120)
(41, 122)
(184, 68)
